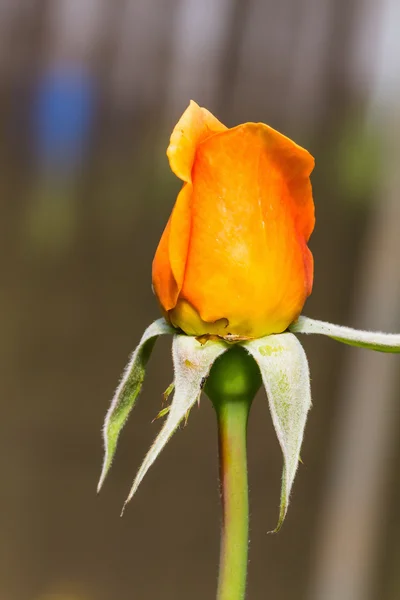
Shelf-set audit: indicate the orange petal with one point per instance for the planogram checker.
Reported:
(291, 174)
(170, 258)
(252, 212)
(179, 234)
(296, 165)
(164, 284)
(195, 125)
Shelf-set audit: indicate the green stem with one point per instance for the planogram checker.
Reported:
(233, 382)
(232, 429)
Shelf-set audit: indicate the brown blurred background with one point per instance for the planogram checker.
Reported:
(89, 92)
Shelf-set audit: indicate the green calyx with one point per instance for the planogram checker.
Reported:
(233, 376)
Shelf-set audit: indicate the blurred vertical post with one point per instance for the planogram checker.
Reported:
(201, 30)
(348, 546)
(62, 112)
(141, 57)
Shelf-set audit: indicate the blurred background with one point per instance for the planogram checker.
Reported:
(89, 93)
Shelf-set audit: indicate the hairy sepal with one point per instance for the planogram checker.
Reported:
(192, 364)
(127, 392)
(372, 340)
(285, 374)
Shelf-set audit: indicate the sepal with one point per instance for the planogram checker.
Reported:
(372, 340)
(285, 374)
(127, 392)
(192, 364)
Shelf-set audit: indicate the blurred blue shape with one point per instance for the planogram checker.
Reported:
(63, 113)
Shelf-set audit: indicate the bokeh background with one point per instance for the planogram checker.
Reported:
(89, 92)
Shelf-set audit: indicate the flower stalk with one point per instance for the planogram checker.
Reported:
(232, 385)
(232, 432)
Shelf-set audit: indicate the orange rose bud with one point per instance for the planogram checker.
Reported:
(233, 259)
